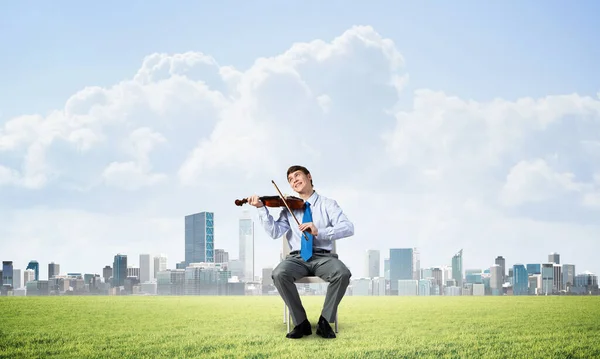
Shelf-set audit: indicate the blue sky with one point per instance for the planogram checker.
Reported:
(478, 51)
(474, 54)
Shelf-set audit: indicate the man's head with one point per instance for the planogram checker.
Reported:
(299, 178)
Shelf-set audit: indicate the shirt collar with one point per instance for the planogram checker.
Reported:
(313, 198)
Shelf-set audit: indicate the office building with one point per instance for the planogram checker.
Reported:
(501, 262)
(221, 256)
(35, 267)
(17, 279)
(373, 263)
(146, 268)
(534, 268)
(457, 268)
(416, 264)
(568, 272)
(558, 279)
(547, 278)
(53, 270)
(520, 280)
(7, 273)
(160, 264)
(119, 270)
(496, 280)
(401, 267)
(107, 273)
(246, 245)
(199, 238)
(28, 276)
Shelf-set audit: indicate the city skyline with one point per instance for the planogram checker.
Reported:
(373, 258)
(431, 132)
(404, 277)
(207, 217)
(209, 271)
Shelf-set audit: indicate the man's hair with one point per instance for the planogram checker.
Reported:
(295, 168)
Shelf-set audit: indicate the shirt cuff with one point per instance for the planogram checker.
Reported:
(262, 211)
(322, 234)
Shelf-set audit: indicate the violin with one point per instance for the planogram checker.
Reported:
(290, 203)
(276, 201)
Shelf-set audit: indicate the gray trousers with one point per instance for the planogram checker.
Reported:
(327, 266)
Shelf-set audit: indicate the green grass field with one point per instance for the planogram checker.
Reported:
(252, 327)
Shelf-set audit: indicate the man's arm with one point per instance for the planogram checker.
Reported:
(277, 228)
(341, 227)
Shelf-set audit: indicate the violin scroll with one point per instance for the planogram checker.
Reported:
(240, 202)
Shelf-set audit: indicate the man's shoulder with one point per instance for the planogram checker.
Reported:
(326, 201)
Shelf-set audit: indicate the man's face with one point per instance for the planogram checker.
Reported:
(299, 181)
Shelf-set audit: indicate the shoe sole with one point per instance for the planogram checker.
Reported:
(309, 332)
(319, 332)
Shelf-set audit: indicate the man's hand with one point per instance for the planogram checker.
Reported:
(309, 227)
(255, 201)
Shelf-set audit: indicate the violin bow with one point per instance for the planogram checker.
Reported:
(288, 207)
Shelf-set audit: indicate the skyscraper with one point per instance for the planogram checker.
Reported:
(457, 268)
(502, 263)
(35, 266)
(568, 272)
(28, 276)
(534, 268)
(7, 273)
(221, 256)
(496, 279)
(160, 264)
(146, 268)
(554, 258)
(521, 280)
(199, 238)
(246, 254)
(386, 268)
(53, 270)
(119, 270)
(17, 278)
(107, 273)
(416, 264)
(558, 278)
(401, 267)
(373, 263)
(547, 278)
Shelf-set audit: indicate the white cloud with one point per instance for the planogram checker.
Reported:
(535, 181)
(130, 175)
(188, 134)
(592, 198)
(8, 176)
(324, 101)
(133, 175)
(443, 129)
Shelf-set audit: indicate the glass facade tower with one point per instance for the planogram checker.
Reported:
(199, 238)
(35, 266)
(521, 280)
(401, 267)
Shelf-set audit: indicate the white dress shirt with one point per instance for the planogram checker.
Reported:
(328, 217)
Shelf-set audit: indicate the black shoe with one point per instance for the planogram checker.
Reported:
(300, 330)
(324, 329)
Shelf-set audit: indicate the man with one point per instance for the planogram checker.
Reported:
(328, 223)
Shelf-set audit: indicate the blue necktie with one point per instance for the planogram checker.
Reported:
(307, 246)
